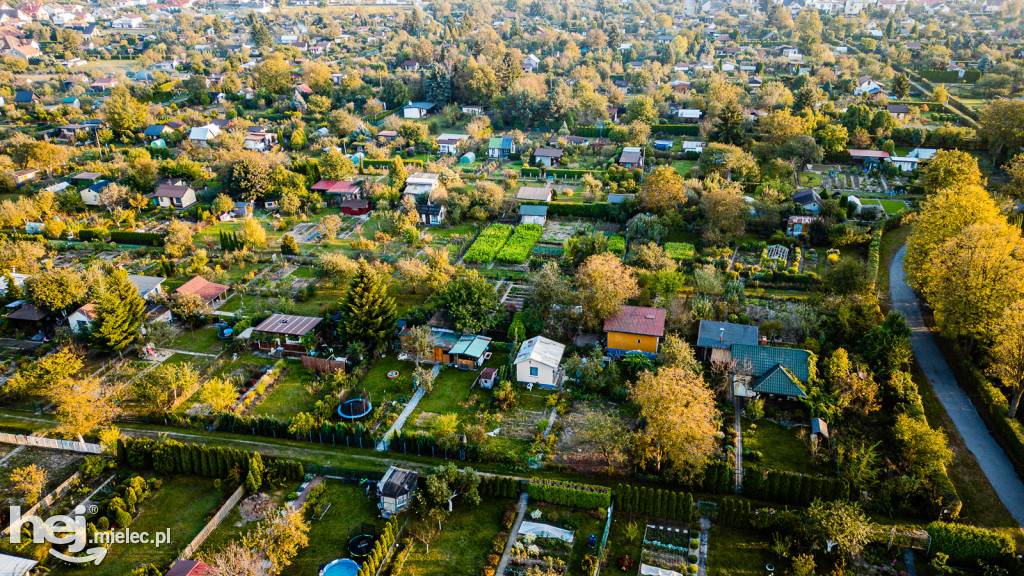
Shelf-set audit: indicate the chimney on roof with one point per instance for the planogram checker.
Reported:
(764, 341)
(721, 334)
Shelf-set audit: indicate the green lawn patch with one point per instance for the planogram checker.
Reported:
(779, 446)
(377, 383)
(810, 179)
(303, 272)
(733, 552)
(464, 543)
(183, 505)
(202, 340)
(684, 167)
(289, 396)
(328, 536)
(893, 207)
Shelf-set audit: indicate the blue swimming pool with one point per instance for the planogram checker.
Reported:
(340, 567)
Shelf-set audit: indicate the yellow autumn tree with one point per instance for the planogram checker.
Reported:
(1008, 354)
(951, 169)
(680, 417)
(604, 285)
(942, 216)
(665, 190)
(974, 277)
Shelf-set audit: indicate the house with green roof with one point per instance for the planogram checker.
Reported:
(769, 370)
(469, 352)
(501, 147)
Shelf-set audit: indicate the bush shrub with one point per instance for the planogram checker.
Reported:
(967, 543)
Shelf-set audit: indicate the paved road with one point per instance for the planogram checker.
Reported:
(990, 455)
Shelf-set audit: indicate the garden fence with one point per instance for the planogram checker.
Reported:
(51, 443)
(604, 540)
(46, 501)
(325, 365)
(212, 524)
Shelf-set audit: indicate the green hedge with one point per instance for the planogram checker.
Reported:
(1007, 431)
(790, 488)
(941, 76)
(387, 163)
(173, 457)
(968, 544)
(676, 129)
(570, 494)
(501, 486)
(599, 210)
(136, 238)
(655, 502)
(92, 234)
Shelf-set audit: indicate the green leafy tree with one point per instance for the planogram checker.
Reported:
(288, 245)
(370, 315)
(471, 303)
(840, 524)
(125, 114)
(119, 313)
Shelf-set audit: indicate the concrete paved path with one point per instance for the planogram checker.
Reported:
(991, 458)
(382, 446)
(513, 534)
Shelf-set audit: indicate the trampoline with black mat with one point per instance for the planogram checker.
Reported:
(360, 539)
(355, 406)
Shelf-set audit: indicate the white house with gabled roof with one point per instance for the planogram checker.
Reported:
(538, 362)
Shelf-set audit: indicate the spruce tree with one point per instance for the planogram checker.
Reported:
(370, 313)
(119, 313)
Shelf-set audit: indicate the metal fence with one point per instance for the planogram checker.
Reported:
(212, 524)
(51, 443)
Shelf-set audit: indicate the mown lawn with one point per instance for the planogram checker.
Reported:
(810, 179)
(289, 395)
(893, 207)
(465, 541)
(328, 537)
(733, 552)
(378, 384)
(780, 447)
(183, 505)
(202, 340)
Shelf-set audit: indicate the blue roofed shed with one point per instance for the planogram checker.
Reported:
(469, 352)
(533, 214)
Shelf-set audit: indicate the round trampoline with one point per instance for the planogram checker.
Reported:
(355, 408)
(340, 567)
(360, 545)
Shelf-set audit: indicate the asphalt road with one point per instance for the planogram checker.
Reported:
(990, 455)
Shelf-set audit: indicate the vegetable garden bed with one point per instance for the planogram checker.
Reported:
(488, 244)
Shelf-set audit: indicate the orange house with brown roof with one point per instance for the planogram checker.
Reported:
(635, 329)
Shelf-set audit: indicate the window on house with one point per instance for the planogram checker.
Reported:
(534, 371)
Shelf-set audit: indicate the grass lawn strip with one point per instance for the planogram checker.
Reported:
(462, 547)
(328, 536)
(182, 504)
